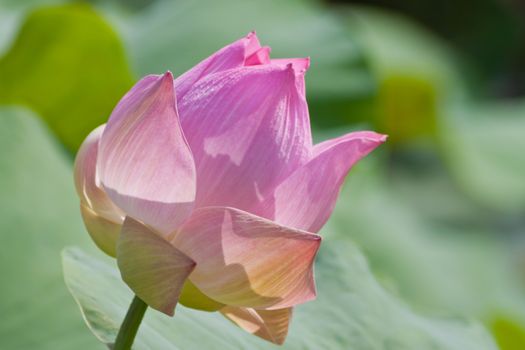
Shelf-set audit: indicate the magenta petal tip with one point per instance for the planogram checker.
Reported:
(297, 65)
(166, 81)
(167, 75)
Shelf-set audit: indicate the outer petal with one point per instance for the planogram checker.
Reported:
(248, 129)
(104, 232)
(144, 161)
(244, 51)
(271, 325)
(300, 66)
(151, 266)
(244, 260)
(307, 197)
(101, 217)
(87, 184)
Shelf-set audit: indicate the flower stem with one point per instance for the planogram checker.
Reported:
(130, 325)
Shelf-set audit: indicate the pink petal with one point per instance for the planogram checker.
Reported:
(248, 128)
(151, 266)
(145, 163)
(232, 56)
(299, 65)
(261, 56)
(87, 184)
(101, 216)
(271, 325)
(307, 197)
(252, 44)
(245, 260)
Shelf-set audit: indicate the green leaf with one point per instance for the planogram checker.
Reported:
(436, 263)
(39, 214)
(12, 13)
(68, 65)
(483, 145)
(352, 310)
(510, 336)
(396, 45)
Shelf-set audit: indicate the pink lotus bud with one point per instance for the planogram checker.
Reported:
(211, 181)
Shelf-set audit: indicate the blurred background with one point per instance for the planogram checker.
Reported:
(438, 212)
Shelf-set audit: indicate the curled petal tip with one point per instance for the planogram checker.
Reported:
(306, 198)
(303, 63)
(368, 136)
(277, 262)
(270, 325)
(165, 82)
(297, 65)
(374, 137)
(167, 75)
(252, 44)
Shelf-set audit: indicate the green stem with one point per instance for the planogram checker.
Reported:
(130, 325)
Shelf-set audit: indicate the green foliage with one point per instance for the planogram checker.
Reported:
(68, 65)
(39, 216)
(483, 144)
(440, 262)
(429, 246)
(396, 45)
(352, 310)
(509, 334)
(415, 73)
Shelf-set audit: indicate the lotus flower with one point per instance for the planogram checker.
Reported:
(208, 189)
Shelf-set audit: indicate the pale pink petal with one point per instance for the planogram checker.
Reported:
(101, 216)
(145, 163)
(271, 325)
(245, 260)
(87, 184)
(248, 128)
(231, 56)
(151, 266)
(307, 197)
